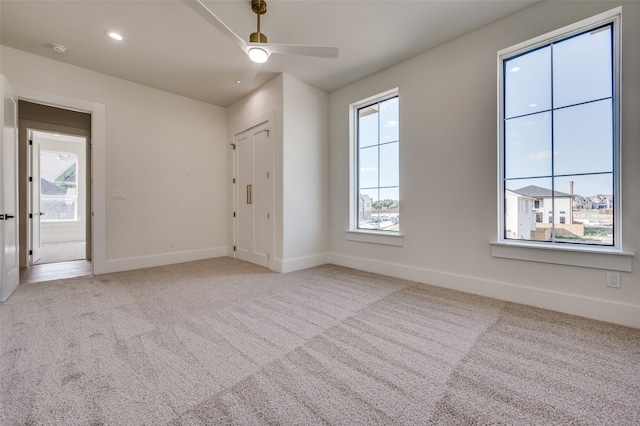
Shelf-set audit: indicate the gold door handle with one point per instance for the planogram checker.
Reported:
(249, 194)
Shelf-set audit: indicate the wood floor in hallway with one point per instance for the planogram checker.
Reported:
(55, 271)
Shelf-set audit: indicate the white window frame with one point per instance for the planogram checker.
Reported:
(567, 254)
(391, 238)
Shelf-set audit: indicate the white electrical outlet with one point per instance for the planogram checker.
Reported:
(172, 242)
(613, 280)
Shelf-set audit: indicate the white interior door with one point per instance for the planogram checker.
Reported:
(9, 260)
(253, 194)
(35, 241)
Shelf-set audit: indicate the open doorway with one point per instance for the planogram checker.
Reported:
(57, 198)
(55, 192)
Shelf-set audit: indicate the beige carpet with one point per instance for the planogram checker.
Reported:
(225, 342)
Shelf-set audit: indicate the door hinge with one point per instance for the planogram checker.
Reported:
(30, 142)
(234, 214)
(267, 132)
(268, 256)
(30, 215)
(267, 175)
(30, 178)
(234, 180)
(268, 217)
(234, 248)
(30, 252)
(233, 146)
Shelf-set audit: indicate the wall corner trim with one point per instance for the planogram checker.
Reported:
(298, 263)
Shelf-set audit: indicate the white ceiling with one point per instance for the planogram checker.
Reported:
(169, 47)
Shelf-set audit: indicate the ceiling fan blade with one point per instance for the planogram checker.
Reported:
(202, 10)
(298, 49)
(248, 77)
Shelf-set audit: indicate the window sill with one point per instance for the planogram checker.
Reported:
(586, 257)
(388, 239)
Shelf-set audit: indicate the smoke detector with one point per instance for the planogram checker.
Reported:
(58, 48)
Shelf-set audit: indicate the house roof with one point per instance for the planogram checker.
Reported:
(518, 195)
(539, 192)
(49, 188)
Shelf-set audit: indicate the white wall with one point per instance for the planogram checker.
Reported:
(151, 139)
(306, 198)
(448, 172)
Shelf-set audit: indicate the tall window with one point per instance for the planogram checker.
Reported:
(559, 135)
(377, 164)
(58, 186)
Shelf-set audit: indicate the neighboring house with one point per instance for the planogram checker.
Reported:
(546, 210)
(519, 216)
(49, 188)
(580, 202)
(365, 207)
(601, 201)
(594, 202)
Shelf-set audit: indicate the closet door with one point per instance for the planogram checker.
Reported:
(253, 154)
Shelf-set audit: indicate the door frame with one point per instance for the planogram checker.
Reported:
(97, 176)
(26, 128)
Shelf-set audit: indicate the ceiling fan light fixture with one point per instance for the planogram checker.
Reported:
(258, 55)
(114, 35)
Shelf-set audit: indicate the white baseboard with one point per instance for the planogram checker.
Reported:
(299, 263)
(118, 265)
(603, 310)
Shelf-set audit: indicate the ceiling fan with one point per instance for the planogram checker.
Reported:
(258, 49)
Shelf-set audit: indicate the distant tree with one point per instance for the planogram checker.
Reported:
(385, 204)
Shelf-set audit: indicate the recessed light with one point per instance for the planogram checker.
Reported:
(114, 35)
(532, 105)
(515, 69)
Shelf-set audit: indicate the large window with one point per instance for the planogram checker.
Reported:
(58, 186)
(559, 137)
(377, 148)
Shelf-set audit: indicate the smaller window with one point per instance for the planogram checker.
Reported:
(58, 186)
(376, 192)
